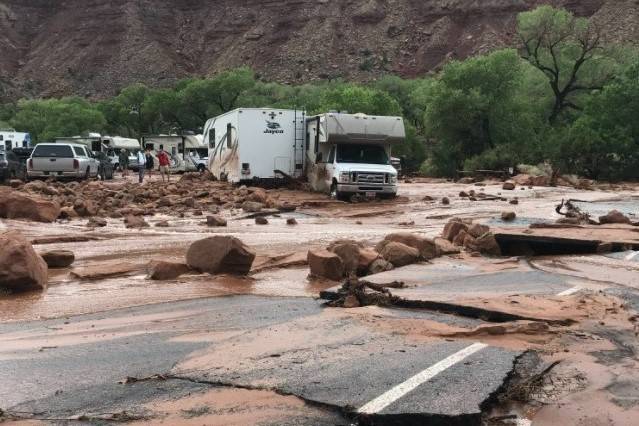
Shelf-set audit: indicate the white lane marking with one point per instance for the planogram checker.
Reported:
(386, 399)
(632, 255)
(569, 291)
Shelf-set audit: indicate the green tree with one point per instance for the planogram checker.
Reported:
(474, 107)
(568, 50)
(51, 118)
(355, 99)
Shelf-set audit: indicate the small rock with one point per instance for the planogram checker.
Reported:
(614, 217)
(162, 224)
(291, 221)
(215, 221)
(252, 206)
(508, 186)
(161, 270)
(260, 220)
(477, 230)
(135, 222)
(97, 222)
(514, 201)
(508, 216)
(59, 258)
(452, 228)
(445, 201)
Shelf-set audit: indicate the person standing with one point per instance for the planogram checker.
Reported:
(149, 162)
(124, 162)
(141, 166)
(165, 162)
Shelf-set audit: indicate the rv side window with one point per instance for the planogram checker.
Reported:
(228, 135)
(212, 138)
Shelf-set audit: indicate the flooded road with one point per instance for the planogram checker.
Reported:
(105, 343)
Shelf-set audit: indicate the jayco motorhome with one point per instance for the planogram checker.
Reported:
(341, 154)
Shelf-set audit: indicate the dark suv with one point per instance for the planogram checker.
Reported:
(10, 166)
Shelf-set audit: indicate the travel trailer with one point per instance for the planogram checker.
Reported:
(341, 154)
(186, 151)
(110, 145)
(10, 139)
(256, 143)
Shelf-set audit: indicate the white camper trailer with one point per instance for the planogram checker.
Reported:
(350, 154)
(185, 151)
(10, 139)
(110, 145)
(256, 144)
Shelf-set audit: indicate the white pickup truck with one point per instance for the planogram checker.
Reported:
(62, 160)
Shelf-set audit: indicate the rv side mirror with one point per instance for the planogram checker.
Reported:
(319, 158)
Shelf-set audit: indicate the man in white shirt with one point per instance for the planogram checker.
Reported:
(141, 165)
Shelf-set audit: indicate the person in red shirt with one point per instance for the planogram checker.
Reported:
(165, 162)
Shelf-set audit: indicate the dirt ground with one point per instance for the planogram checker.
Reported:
(576, 310)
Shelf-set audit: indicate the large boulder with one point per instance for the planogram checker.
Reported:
(614, 216)
(349, 254)
(452, 228)
(326, 264)
(220, 254)
(486, 244)
(426, 247)
(21, 268)
(160, 270)
(477, 230)
(446, 247)
(399, 254)
(379, 265)
(59, 258)
(16, 205)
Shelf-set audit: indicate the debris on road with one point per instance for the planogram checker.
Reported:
(18, 205)
(21, 268)
(220, 254)
(58, 258)
(161, 270)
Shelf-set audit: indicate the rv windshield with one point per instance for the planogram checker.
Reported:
(361, 154)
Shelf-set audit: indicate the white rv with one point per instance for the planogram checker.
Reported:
(110, 145)
(10, 139)
(350, 154)
(186, 151)
(256, 144)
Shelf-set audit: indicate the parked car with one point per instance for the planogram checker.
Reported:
(23, 155)
(62, 160)
(10, 166)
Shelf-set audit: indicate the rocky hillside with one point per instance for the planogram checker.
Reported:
(94, 47)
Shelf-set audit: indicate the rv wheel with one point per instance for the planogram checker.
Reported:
(335, 194)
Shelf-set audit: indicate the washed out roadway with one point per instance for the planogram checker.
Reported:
(67, 367)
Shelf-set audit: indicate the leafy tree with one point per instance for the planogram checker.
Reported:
(355, 99)
(568, 50)
(51, 118)
(474, 107)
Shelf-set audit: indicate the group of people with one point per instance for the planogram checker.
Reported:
(146, 163)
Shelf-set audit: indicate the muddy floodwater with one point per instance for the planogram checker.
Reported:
(263, 349)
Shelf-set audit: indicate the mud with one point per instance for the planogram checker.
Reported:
(474, 299)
